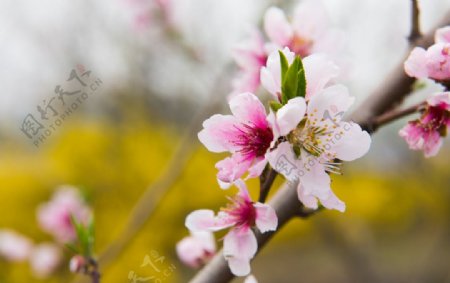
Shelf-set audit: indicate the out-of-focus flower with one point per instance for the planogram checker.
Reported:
(427, 132)
(44, 259)
(241, 215)
(246, 135)
(307, 33)
(250, 56)
(77, 263)
(319, 72)
(196, 249)
(54, 216)
(250, 279)
(433, 63)
(14, 246)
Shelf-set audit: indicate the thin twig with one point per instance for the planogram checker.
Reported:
(285, 201)
(396, 114)
(415, 33)
(265, 183)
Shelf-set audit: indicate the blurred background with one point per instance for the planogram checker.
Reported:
(130, 144)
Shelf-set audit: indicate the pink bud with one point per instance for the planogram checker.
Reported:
(77, 263)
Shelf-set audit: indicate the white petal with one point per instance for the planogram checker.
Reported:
(308, 200)
(266, 218)
(239, 266)
(415, 65)
(288, 116)
(314, 178)
(329, 106)
(283, 160)
(353, 142)
(239, 247)
(319, 71)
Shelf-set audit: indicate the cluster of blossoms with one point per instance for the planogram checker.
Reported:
(427, 132)
(303, 135)
(306, 33)
(55, 218)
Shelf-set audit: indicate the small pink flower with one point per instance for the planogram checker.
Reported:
(241, 215)
(307, 33)
(13, 246)
(246, 135)
(316, 137)
(44, 259)
(250, 56)
(427, 132)
(433, 63)
(77, 263)
(54, 216)
(196, 249)
(319, 72)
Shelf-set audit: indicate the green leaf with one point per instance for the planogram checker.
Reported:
(290, 83)
(284, 64)
(301, 88)
(275, 105)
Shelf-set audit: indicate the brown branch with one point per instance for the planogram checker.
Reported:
(396, 114)
(394, 90)
(265, 183)
(415, 33)
(285, 201)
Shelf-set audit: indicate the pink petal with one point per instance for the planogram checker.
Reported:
(239, 247)
(257, 168)
(432, 145)
(329, 106)
(415, 65)
(266, 218)
(277, 27)
(247, 108)
(231, 169)
(248, 54)
(44, 259)
(243, 191)
(438, 61)
(290, 115)
(353, 142)
(440, 98)
(319, 71)
(218, 133)
(13, 246)
(205, 220)
(194, 249)
(442, 35)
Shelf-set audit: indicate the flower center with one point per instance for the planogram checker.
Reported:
(254, 141)
(308, 138)
(242, 211)
(301, 46)
(436, 118)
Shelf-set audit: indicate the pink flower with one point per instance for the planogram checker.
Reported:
(54, 216)
(77, 263)
(319, 72)
(307, 33)
(44, 259)
(246, 135)
(196, 249)
(250, 56)
(13, 246)
(427, 132)
(317, 140)
(240, 244)
(433, 63)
